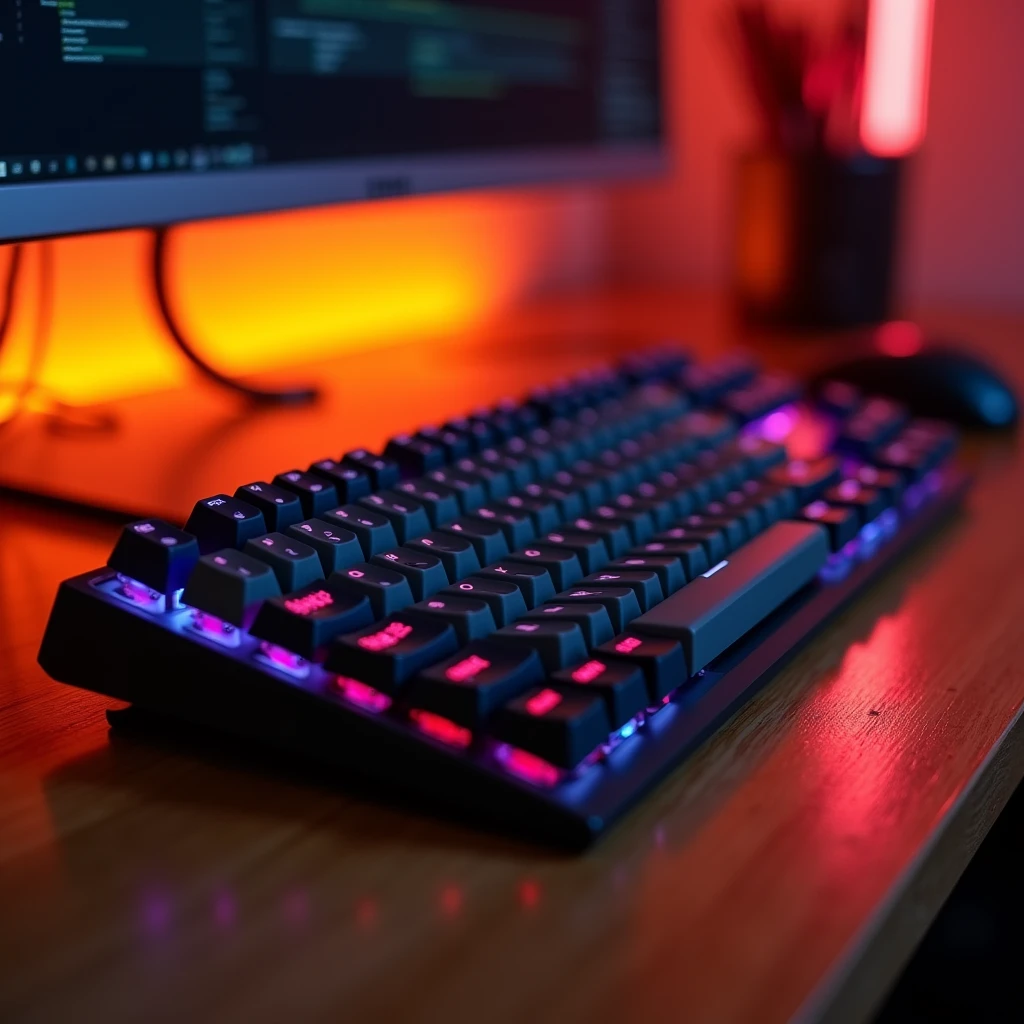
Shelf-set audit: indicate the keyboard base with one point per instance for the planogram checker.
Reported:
(147, 667)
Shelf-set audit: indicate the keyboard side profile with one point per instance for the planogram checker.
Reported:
(529, 615)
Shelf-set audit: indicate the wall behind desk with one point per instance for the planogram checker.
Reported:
(265, 292)
(964, 232)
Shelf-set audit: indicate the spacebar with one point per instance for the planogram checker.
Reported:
(711, 613)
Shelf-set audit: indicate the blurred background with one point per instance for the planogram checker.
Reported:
(275, 290)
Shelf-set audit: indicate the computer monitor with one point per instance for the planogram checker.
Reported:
(121, 113)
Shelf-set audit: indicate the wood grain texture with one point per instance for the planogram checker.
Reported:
(786, 870)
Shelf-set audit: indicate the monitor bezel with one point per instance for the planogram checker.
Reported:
(49, 209)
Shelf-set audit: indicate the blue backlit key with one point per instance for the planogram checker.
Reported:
(156, 554)
(230, 585)
(280, 508)
(223, 522)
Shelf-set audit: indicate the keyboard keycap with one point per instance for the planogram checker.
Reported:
(637, 524)
(156, 554)
(336, 548)
(457, 554)
(488, 539)
(496, 482)
(517, 526)
(349, 484)
(441, 503)
(590, 549)
(455, 445)
(615, 536)
(414, 455)
(469, 490)
(621, 686)
(383, 472)
(316, 493)
(669, 569)
(470, 617)
(659, 659)
(533, 580)
(310, 618)
(560, 727)
(223, 522)
(470, 686)
(644, 583)
(559, 642)
(888, 482)
(373, 530)
(386, 590)
(842, 523)
(868, 503)
(619, 602)
(808, 479)
(423, 570)
(568, 502)
(295, 564)
(388, 654)
(230, 585)
(689, 546)
(544, 514)
(562, 563)
(407, 515)
(280, 508)
(593, 619)
(506, 600)
(715, 610)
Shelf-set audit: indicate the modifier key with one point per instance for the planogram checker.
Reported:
(710, 614)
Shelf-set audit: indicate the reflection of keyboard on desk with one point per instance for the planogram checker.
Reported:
(531, 613)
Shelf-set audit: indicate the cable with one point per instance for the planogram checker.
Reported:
(299, 396)
(10, 292)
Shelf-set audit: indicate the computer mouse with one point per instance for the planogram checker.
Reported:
(932, 377)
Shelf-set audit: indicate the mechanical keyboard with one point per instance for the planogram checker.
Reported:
(531, 613)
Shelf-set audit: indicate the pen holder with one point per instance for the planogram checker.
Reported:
(815, 239)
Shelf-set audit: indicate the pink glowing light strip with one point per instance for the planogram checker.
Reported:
(894, 113)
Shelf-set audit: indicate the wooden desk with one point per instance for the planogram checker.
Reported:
(787, 869)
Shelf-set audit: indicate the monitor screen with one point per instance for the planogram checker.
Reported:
(127, 112)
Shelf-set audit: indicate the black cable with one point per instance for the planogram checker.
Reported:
(10, 292)
(299, 396)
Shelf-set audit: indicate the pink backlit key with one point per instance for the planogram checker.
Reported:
(471, 685)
